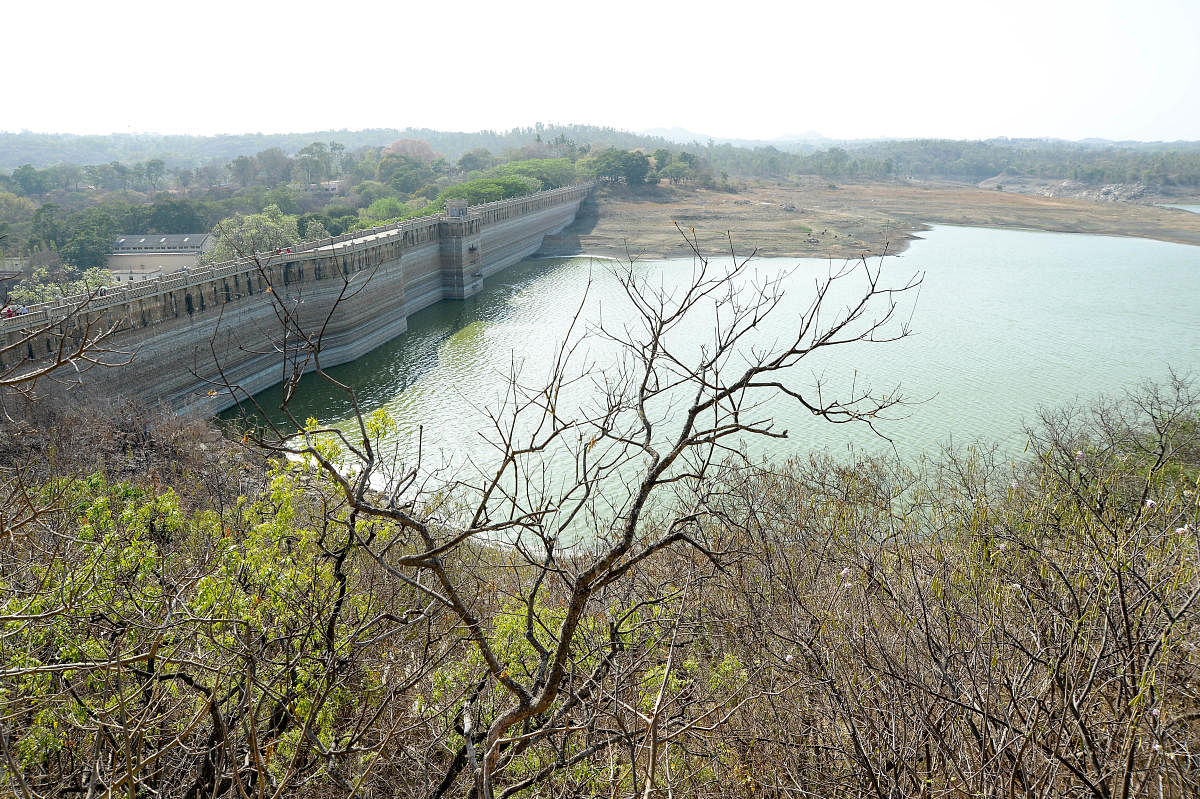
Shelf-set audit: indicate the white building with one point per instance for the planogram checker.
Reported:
(137, 256)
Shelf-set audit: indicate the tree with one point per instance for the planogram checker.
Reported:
(606, 165)
(677, 172)
(184, 176)
(15, 210)
(338, 158)
(404, 173)
(274, 164)
(101, 176)
(67, 176)
(79, 341)
(416, 149)
(48, 284)
(210, 175)
(614, 164)
(371, 190)
(635, 167)
(968, 598)
(385, 208)
(243, 169)
(170, 215)
(240, 236)
(551, 173)
(314, 230)
(89, 238)
(309, 169)
(30, 181)
(486, 190)
(622, 603)
(535, 662)
(475, 160)
(48, 225)
(155, 169)
(285, 197)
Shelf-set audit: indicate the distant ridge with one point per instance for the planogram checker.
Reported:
(46, 149)
(797, 142)
(1093, 161)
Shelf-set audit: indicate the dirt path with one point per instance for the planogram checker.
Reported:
(815, 218)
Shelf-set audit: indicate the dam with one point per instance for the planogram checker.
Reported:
(181, 340)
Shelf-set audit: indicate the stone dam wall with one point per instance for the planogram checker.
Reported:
(187, 334)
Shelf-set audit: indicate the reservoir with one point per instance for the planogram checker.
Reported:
(1006, 322)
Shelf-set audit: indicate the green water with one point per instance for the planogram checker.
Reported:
(1006, 322)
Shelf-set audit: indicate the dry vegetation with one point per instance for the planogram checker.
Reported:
(859, 630)
(664, 619)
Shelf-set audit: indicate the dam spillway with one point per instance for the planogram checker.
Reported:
(180, 340)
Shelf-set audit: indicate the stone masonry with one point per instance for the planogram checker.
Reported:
(187, 334)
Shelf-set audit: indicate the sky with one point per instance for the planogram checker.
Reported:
(750, 69)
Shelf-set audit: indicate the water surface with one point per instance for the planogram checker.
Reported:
(1006, 322)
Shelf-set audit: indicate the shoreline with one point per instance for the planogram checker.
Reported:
(811, 218)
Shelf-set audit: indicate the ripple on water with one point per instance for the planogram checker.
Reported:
(1007, 322)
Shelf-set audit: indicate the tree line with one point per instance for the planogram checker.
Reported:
(1160, 165)
(62, 220)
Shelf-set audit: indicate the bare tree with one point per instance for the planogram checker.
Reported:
(665, 420)
(56, 344)
(619, 601)
(983, 628)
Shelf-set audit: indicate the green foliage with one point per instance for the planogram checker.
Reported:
(337, 218)
(403, 173)
(486, 190)
(314, 229)
(371, 190)
(338, 209)
(30, 181)
(48, 225)
(171, 215)
(284, 198)
(851, 604)
(551, 173)
(243, 169)
(273, 165)
(614, 164)
(14, 209)
(45, 285)
(475, 160)
(204, 580)
(678, 172)
(306, 223)
(90, 237)
(244, 235)
(384, 209)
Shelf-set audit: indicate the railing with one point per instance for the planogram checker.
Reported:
(45, 313)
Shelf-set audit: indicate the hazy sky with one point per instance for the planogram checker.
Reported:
(1072, 69)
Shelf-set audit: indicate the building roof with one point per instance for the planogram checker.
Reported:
(160, 242)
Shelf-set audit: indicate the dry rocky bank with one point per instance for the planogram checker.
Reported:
(816, 218)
